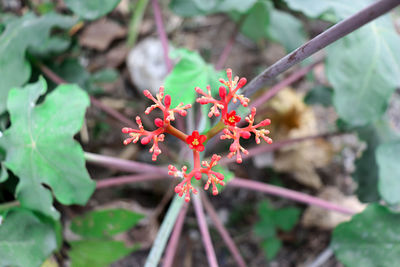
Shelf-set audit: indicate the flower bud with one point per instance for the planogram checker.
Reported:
(145, 140)
(159, 122)
(241, 82)
(167, 101)
(222, 92)
(245, 135)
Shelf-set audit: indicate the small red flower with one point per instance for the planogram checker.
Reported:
(231, 118)
(195, 141)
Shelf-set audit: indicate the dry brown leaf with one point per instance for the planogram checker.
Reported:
(291, 118)
(326, 219)
(99, 34)
(117, 55)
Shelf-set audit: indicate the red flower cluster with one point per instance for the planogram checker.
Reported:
(229, 119)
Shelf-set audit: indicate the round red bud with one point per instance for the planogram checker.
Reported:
(159, 122)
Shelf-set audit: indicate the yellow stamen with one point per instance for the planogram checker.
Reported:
(195, 142)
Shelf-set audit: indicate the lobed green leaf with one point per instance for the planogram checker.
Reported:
(25, 240)
(370, 239)
(92, 9)
(40, 148)
(21, 34)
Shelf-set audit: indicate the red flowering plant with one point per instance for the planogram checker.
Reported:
(228, 124)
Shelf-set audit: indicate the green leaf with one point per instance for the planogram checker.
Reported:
(387, 157)
(92, 9)
(366, 172)
(271, 247)
(286, 218)
(40, 146)
(103, 223)
(25, 240)
(257, 20)
(97, 253)
(189, 72)
(364, 84)
(190, 8)
(20, 34)
(286, 30)
(370, 239)
(319, 95)
(317, 8)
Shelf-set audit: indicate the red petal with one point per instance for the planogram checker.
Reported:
(200, 148)
(202, 138)
(195, 134)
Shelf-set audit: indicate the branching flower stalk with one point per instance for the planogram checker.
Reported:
(229, 121)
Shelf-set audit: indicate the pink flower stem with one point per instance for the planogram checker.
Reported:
(205, 234)
(127, 179)
(174, 239)
(222, 231)
(295, 76)
(257, 150)
(287, 193)
(123, 164)
(161, 33)
(229, 45)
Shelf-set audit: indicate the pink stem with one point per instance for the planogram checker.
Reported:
(123, 164)
(287, 193)
(257, 150)
(112, 112)
(227, 50)
(205, 234)
(162, 34)
(127, 179)
(223, 232)
(174, 239)
(283, 84)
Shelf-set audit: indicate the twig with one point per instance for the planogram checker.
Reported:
(127, 179)
(257, 150)
(174, 239)
(9, 205)
(287, 193)
(222, 231)
(283, 84)
(161, 33)
(123, 164)
(205, 234)
(319, 42)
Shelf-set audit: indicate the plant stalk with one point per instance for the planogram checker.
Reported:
(174, 239)
(124, 165)
(260, 149)
(161, 33)
(127, 179)
(295, 76)
(223, 231)
(205, 234)
(164, 232)
(287, 193)
(319, 42)
(9, 205)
